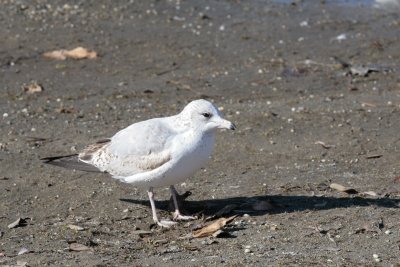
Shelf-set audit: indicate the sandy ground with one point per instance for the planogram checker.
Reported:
(287, 73)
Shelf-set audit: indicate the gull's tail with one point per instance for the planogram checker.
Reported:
(70, 162)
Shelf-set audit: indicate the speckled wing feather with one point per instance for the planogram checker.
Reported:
(90, 151)
(141, 147)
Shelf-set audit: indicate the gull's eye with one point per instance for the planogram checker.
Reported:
(206, 114)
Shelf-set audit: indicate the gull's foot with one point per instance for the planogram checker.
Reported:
(166, 223)
(180, 217)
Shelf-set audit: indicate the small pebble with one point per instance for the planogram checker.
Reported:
(388, 232)
(375, 256)
(247, 250)
(304, 23)
(23, 251)
(341, 37)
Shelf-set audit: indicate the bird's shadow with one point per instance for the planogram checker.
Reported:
(270, 204)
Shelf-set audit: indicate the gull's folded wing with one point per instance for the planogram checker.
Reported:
(140, 147)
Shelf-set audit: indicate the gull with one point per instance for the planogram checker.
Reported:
(159, 152)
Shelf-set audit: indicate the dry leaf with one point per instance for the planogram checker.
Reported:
(77, 53)
(366, 104)
(374, 156)
(210, 229)
(323, 144)
(58, 54)
(80, 52)
(78, 247)
(370, 193)
(32, 88)
(361, 70)
(18, 223)
(342, 188)
(66, 110)
(75, 227)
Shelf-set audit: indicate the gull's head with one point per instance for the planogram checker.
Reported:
(205, 116)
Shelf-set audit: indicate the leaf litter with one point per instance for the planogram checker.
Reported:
(323, 144)
(76, 53)
(341, 188)
(352, 191)
(32, 88)
(75, 227)
(20, 222)
(212, 228)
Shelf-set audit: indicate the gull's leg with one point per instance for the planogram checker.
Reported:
(177, 214)
(161, 223)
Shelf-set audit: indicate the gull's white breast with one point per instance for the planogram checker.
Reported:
(189, 155)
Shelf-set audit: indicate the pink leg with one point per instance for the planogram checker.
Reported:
(162, 223)
(177, 214)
